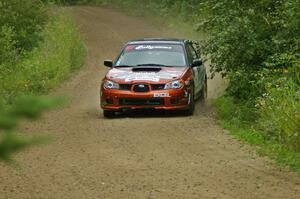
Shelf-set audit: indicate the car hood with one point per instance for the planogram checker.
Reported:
(145, 74)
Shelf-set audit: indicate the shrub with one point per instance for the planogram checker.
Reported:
(249, 36)
(39, 70)
(237, 112)
(280, 112)
(24, 19)
(37, 51)
(8, 51)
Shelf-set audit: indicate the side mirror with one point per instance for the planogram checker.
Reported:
(108, 63)
(197, 62)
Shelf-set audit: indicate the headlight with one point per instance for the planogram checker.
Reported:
(111, 85)
(174, 85)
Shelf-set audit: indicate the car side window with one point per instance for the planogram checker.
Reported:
(192, 55)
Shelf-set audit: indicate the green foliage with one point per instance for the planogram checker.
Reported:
(280, 112)
(23, 20)
(39, 48)
(249, 36)
(32, 107)
(230, 112)
(37, 71)
(10, 116)
(233, 110)
(67, 2)
(8, 51)
(10, 143)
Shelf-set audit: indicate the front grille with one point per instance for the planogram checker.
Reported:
(154, 87)
(142, 101)
(109, 101)
(125, 87)
(141, 88)
(174, 101)
(157, 86)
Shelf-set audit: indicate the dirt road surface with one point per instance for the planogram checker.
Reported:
(149, 156)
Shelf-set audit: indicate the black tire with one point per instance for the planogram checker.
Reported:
(109, 114)
(203, 94)
(191, 108)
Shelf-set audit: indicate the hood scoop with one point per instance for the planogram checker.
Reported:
(146, 69)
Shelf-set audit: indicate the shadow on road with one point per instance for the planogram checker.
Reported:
(148, 113)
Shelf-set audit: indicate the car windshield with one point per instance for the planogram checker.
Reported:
(152, 55)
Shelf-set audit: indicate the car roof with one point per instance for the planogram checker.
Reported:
(158, 41)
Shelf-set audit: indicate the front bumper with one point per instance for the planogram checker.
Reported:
(173, 99)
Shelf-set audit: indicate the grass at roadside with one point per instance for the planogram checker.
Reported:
(59, 53)
(230, 119)
(33, 71)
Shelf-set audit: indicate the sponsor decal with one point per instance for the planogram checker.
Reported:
(161, 95)
(151, 47)
(146, 47)
(142, 77)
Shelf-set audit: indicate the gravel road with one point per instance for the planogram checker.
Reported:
(148, 155)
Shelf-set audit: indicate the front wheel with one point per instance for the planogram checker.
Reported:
(191, 107)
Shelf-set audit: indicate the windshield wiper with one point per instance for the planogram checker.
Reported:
(150, 65)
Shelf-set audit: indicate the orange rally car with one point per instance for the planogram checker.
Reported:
(154, 74)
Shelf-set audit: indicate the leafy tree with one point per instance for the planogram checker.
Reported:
(248, 37)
